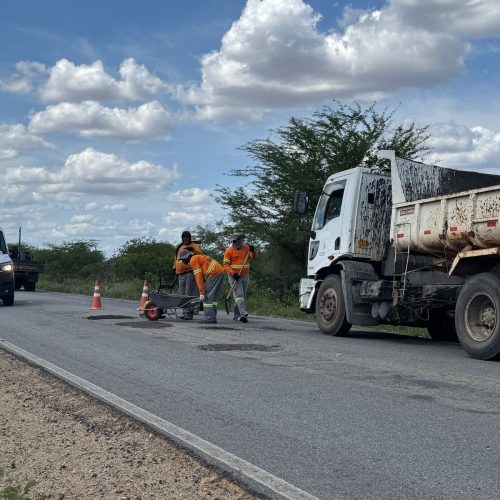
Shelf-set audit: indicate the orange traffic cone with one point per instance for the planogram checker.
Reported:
(144, 296)
(96, 300)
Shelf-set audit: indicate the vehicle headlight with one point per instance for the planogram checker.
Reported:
(7, 267)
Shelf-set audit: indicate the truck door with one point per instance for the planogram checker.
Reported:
(327, 227)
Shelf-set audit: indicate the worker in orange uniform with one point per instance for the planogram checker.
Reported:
(185, 277)
(209, 275)
(237, 264)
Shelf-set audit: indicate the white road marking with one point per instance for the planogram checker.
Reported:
(238, 467)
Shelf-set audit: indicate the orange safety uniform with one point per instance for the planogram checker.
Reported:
(204, 267)
(179, 266)
(234, 258)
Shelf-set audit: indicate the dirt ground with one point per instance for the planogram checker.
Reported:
(73, 445)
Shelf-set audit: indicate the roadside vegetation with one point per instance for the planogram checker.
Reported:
(300, 155)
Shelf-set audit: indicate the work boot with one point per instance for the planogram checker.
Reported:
(244, 319)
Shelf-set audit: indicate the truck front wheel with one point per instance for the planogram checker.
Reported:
(477, 316)
(8, 300)
(330, 307)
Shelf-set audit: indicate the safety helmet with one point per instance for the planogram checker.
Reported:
(237, 237)
(185, 254)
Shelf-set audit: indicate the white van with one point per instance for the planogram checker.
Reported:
(6, 273)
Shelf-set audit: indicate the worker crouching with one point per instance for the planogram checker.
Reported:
(209, 275)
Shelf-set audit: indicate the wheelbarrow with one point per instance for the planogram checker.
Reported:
(162, 305)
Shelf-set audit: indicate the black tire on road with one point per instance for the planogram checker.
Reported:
(441, 326)
(330, 307)
(29, 286)
(477, 316)
(8, 300)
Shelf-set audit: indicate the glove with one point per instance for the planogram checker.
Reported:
(202, 298)
(236, 276)
(251, 248)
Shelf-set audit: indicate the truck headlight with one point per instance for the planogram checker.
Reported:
(7, 267)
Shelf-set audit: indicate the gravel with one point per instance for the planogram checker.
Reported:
(73, 445)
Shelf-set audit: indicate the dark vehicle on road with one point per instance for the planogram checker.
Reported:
(6, 273)
(26, 270)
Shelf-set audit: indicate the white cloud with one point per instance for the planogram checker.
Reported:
(188, 218)
(115, 207)
(94, 172)
(91, 119)
(22, 81)
(142, 227)
(15, 140)
(191, 196)
(462, 147)
(12, 195)
(274, 56)
(90, 82)
(82, 219)
(466, 18)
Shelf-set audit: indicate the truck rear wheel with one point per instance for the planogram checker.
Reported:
(477, 316)
(330, 307)
(441, 326)
(29, 286)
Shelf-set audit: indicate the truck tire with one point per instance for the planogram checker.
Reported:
(330, 307)
(441, 326)
(29, 286)
(477, 316)
(8, 300)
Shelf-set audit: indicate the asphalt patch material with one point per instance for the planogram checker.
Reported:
(150, 325)
(110, 316)
(238, 347)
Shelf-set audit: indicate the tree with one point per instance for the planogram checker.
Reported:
(72, 259)
(303, 155)
(143, 258)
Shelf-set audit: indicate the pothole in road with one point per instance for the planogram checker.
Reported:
(145, 324)
(110, 316)
(239, 347)
(211, 327)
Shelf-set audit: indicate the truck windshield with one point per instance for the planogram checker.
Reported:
(329, 205)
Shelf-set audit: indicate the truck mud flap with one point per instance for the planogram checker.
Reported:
(353, 274)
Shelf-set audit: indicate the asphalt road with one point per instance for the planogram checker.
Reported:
(366, 416)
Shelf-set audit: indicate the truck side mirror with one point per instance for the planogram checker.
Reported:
(300, 202)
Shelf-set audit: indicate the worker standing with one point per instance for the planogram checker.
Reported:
(237, 264)
(185, 277)
(209, 275)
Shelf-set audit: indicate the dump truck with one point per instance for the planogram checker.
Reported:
(416, 245)
(6, 273)
(26, 270)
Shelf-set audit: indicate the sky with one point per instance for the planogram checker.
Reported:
(119, 119)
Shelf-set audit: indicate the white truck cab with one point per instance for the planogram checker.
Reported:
(6, 273)
(347, 222)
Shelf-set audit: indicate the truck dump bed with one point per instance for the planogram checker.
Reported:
(441, 211)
